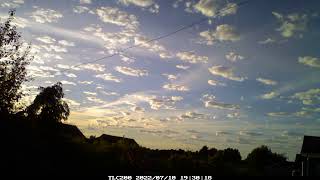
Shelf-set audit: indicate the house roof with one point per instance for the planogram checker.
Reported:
(115, 139)
(311, 144)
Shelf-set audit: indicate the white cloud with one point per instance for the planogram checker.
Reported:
(170, 76)
(150, 4)
(267, 41)
(191, 57)
(71, 75)
(46, 15)
(68, 83)
(85, 2)
(153, 46)
(182, 67)
(46, 39)
(109, 93)
(90, 93)
(291, 23)
(108, 77)
(176, 98)
(309, 97)
(66, 43)
(267, 81)
(63, 66)
(131, 72)
(80, 9)
(55, 48)
(211, 102)
(115, 16)
(278, 114)
(112, 41)
(310, 61)
(85, 82)
(233, 57)
(137, 109)
(141, 3)
(215, 83)
(95, 100)
(192, 115)
(11, 3)
(39, 71)
(175, 87)
(222, 33)
(163, 102)
(155, 102)
(71, 102)
(154, 9)
(20, 22)
(225, 72)
(270, 95)
(93, 67)
(213, 8)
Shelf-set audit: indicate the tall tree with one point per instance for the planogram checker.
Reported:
(14, 57)
(49, 105)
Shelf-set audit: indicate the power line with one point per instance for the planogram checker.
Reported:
(159, 37)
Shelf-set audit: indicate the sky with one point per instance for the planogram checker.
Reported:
(247, 75)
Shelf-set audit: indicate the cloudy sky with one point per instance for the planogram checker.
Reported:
(247, 75)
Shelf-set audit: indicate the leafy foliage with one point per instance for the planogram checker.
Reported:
(48, 105)
(262, 156)
(13, 60)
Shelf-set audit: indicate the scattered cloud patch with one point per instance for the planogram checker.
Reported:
(225, 72)
(170, 77)
(267, 81)
(212, 8)
(233, 57)
(153, 46)
(92, 67)
(175, 87)
(267, 41)
(215, 83)
(192, 115)
(191, 57)
(291, 24)
(310, 61)
(68, 83)
(211, 102)
(270, 95)
(141, 3)
(309, 97)
(182, 67)
(108, 77)
(11, 3)
(131, 72)
(46, 39)
(85, 2)
(81, 9)
(46, 15)
(278, 114)
(66, 43)
(222, 33)
(115, 16)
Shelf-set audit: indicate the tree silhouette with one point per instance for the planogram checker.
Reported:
(226, 155)
(49, 105)
(263, 156)
(14, 57)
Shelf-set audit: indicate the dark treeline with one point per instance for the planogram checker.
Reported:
(34, 141)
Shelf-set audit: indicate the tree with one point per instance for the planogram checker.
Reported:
(262, 156)
(226, 155)
(14, 57)
(49, 105)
